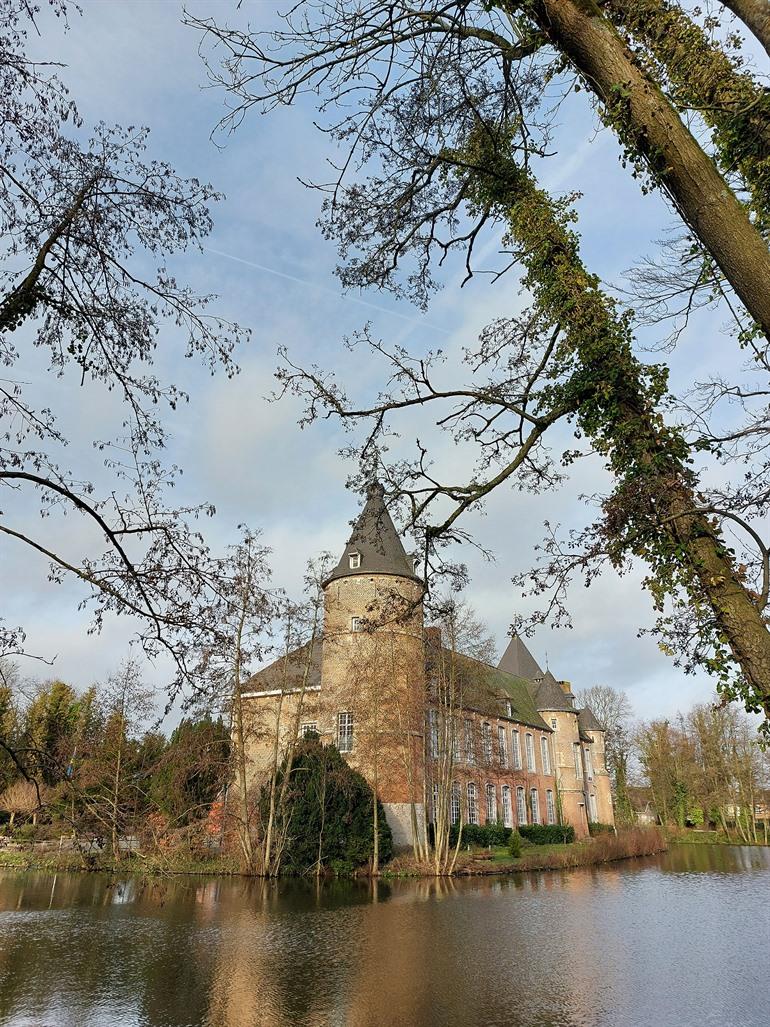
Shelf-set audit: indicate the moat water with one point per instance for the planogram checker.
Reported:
(680, 939)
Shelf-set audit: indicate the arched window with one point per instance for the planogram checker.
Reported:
(454, 809)
(534, 801)
(530, 753)
(491, 804)
(502, 746)
(546, 756)
(521, 806)
(507, 811)
(473, 805)
(516, 751)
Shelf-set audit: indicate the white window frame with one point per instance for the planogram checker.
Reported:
(435, 802)
(470, 741)
(509, 708)
(516, 750)
(457, 748)
(345, 730)
(433, 733)
(310, 728)
(550, 806)
(507, 808)
(455, 800)
(486, 742)
(529, 746)
(521, 805)
(502, 745)
(356, 623)
(553, 723)
(473, 802)
(491, 803)
(545, 755)
(355, 561)
(576, 752)
(534, 802)
(593, 813)
(589, 763)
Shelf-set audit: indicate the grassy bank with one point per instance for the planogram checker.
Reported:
(602, 849)
(687, 836)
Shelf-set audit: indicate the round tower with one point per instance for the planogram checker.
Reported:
(373, 664)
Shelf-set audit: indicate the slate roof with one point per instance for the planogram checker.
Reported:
(519, 661)
(272, 677)
(549, 695)
(376, 540)
(587, 721)
(486, 689)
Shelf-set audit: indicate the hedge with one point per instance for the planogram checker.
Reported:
(595, 828)
(547, 834)
(481, 834)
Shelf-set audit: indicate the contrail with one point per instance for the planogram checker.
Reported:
(332, 292)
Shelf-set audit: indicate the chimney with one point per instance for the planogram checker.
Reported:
(566, 687)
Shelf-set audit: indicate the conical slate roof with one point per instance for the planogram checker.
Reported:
(519, 661)
(376, 541)
(588, 721)
(551, 696)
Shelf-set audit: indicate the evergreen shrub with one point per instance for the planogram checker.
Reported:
(547, 834)
(595, 828)
(481, 834)
(330, 811)
(514, 845)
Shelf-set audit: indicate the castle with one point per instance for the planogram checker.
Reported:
(414, 715)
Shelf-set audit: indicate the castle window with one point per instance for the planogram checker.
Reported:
(502, 746)
(470, 748)
(530, 746)
(355, 561)
(521, 806)
(311, 728)
(589, 764)
(578, 761)
(550, 808)
(356, 623)
(456, 741)
(435, 803)
(473, 805)
(486, 738)
(433, 732)
(491, 804)
(455, 803)
(345, 732)
(553, 723)
(592, 808)
(516, 751)
(507, 811)
(534, 801)
(509, 708)
(546, 756)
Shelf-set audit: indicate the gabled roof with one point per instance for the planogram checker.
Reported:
(288, 672)
(549, 695)
(519, 661)
(486, 689)
(376, 540)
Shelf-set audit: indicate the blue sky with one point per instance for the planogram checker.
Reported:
(133, 62)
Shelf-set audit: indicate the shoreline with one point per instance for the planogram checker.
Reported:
(478, 863)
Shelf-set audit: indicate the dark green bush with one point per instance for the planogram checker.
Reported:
(481, 834)
(330, 803)
(547, 834)
(514, 844)
(596, 828)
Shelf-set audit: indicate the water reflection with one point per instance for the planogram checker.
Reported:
(599, 946)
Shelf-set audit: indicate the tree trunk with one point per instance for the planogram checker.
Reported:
(755, 15)
(646, 121)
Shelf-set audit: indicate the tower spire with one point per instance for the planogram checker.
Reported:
(374, 547)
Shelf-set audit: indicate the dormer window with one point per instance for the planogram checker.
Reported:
(355, 561)
(509, 708)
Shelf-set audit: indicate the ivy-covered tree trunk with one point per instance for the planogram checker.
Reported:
(654, 512)
(649, 126)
